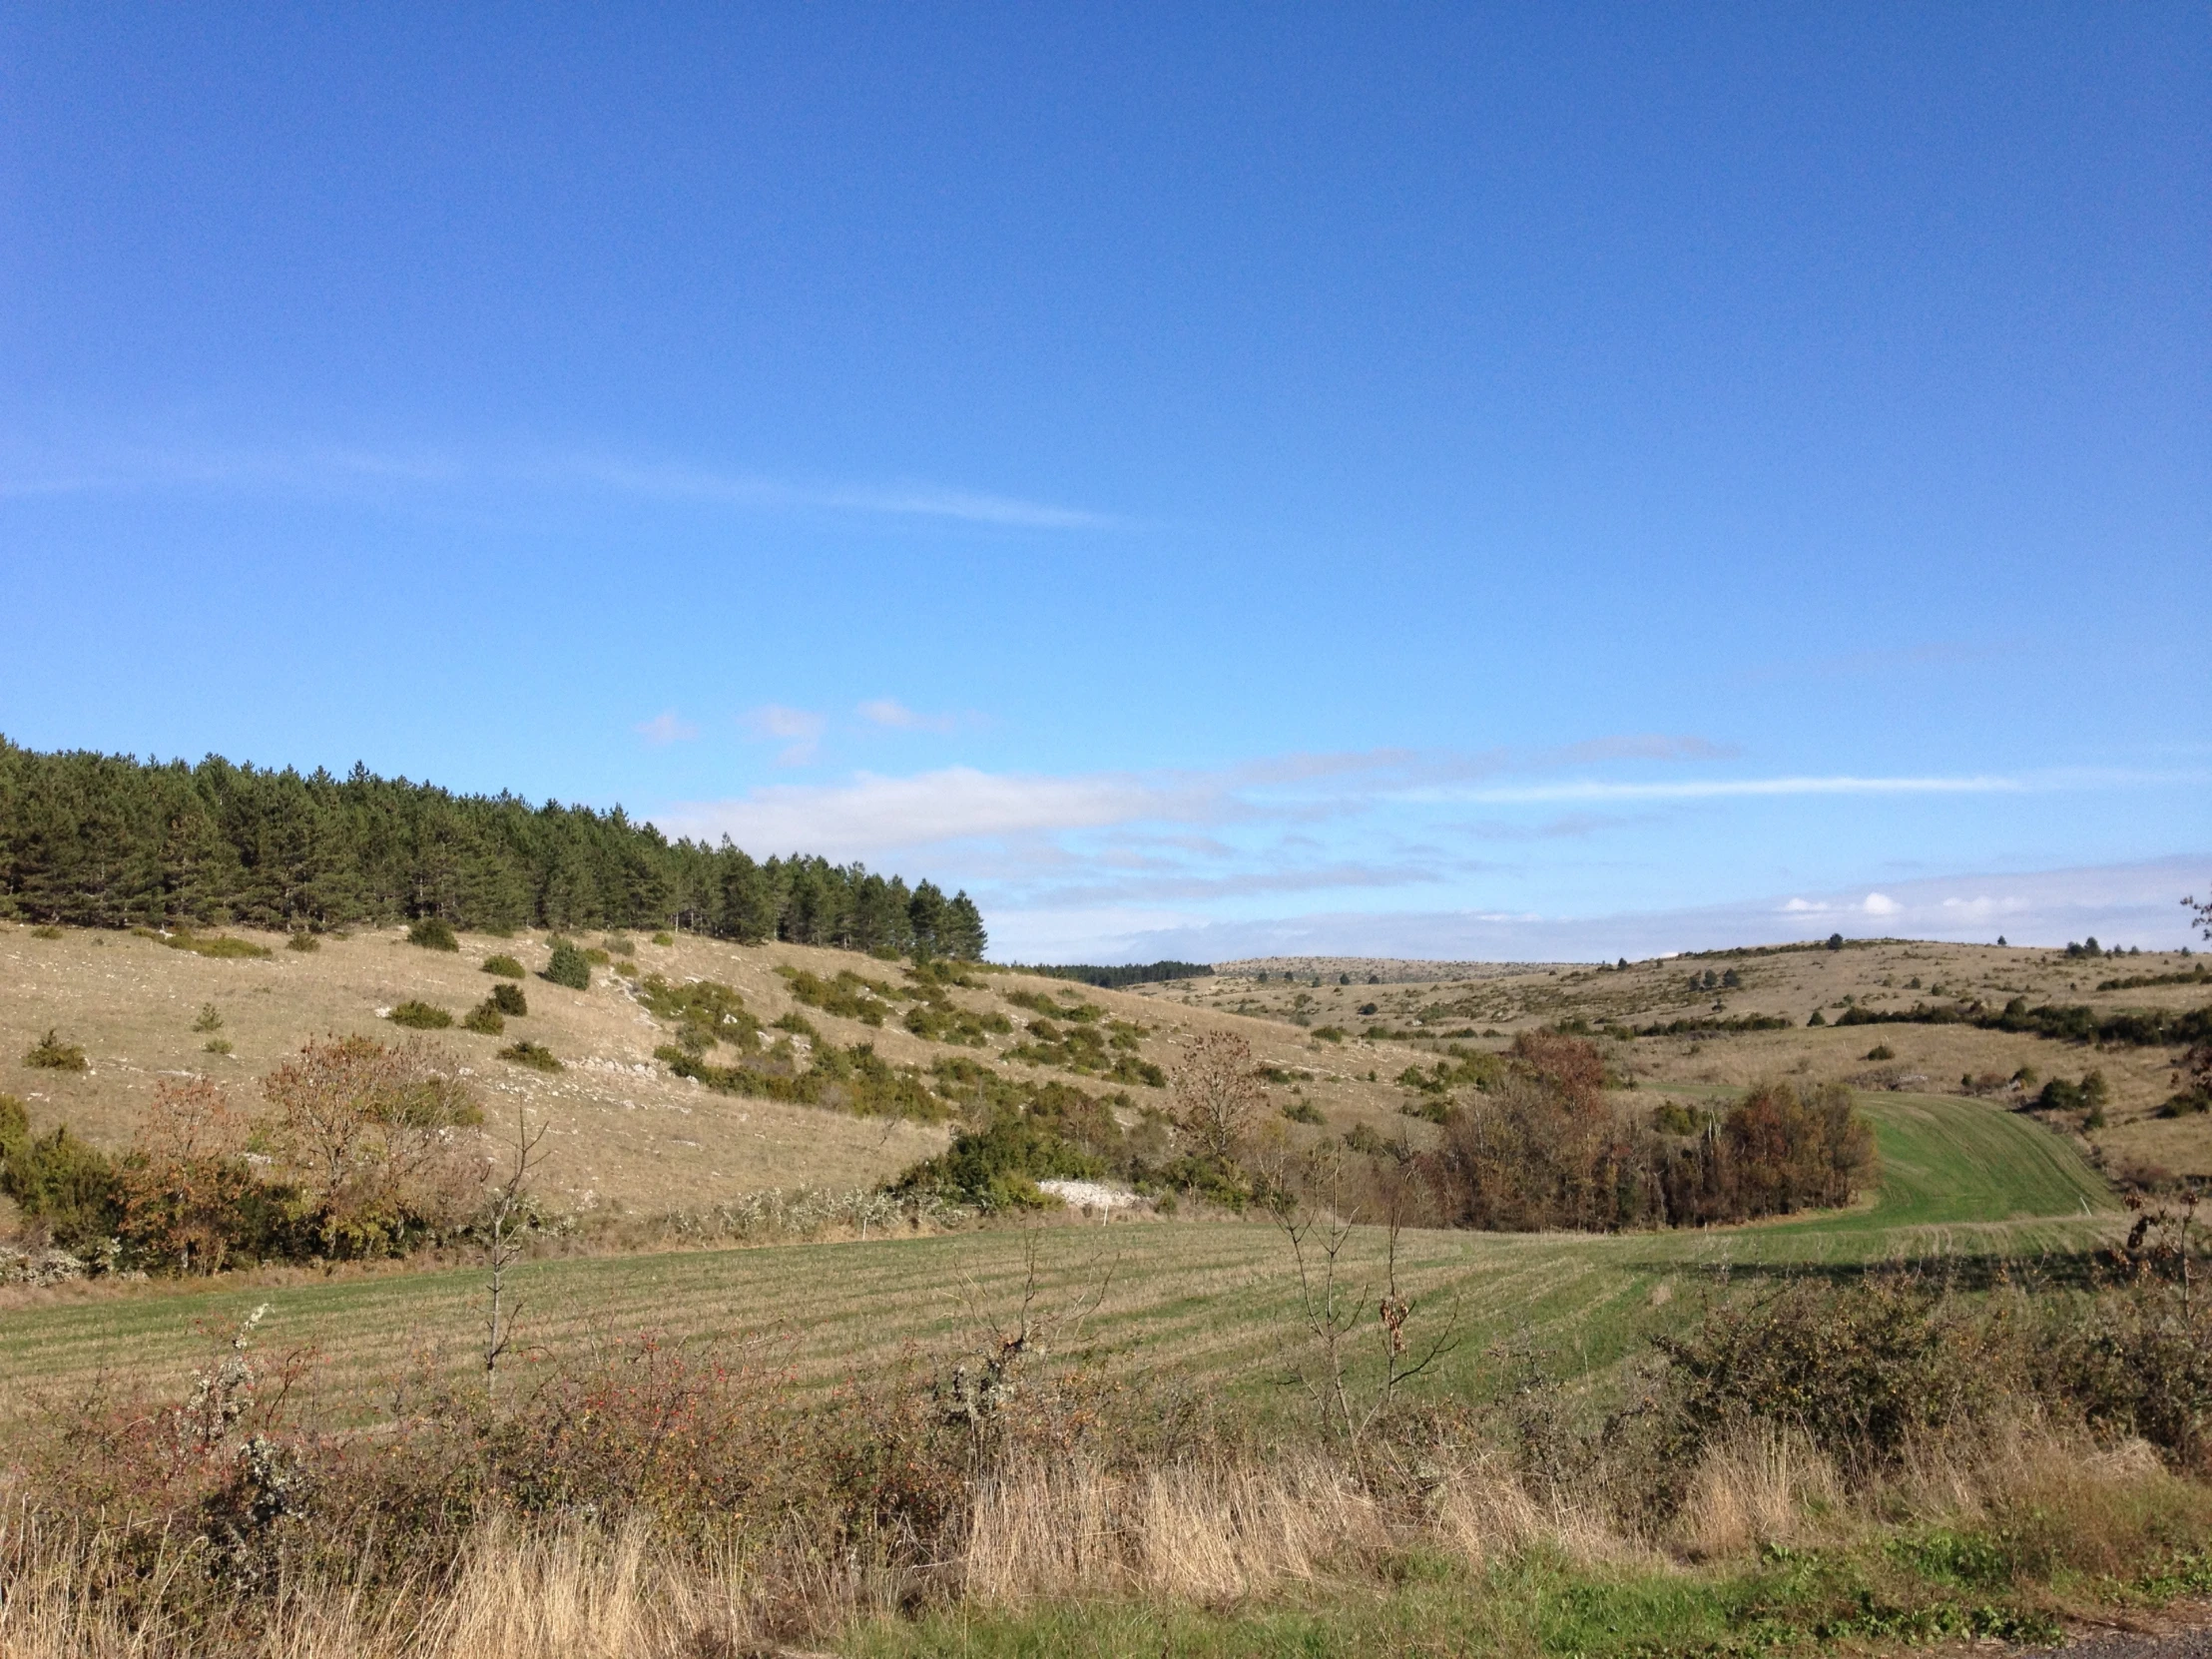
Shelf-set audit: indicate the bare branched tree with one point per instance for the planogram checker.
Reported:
(1334, 1307)
(505, 1223)
(980, 1390)
(1218, 1097)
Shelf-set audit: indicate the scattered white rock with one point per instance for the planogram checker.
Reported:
(1090, 1195)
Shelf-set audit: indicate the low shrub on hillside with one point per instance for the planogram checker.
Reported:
(485, 1019)
(505, 966)
(420, 1016)
(568, 966)
(303, 942)
(434, 933)
(218, 946)
(509, 1000)
(50, 1053)
(65, 1188)
(999, 1166)
(847, 997)
(705, 1012)
(535, 1055)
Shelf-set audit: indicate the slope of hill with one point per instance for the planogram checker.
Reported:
(628, 1132)
(1714, 996)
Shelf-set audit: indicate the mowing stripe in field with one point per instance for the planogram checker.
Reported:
(1215, 1303)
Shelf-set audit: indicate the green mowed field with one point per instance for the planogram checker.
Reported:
(1210, 1304)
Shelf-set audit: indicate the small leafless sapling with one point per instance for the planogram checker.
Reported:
(506, 1222)
(1334, 1305)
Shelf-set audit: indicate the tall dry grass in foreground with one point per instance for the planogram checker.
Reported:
(657, 1501)
(1213, 1535)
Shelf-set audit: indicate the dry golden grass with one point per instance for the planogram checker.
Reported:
(627, 1134)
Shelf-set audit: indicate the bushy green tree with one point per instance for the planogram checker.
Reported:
(569, 966)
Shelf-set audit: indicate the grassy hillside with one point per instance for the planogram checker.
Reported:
(1879, 976)
(627, 1133)
(1209, 1304)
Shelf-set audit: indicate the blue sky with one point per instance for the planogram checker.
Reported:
(1450, 480)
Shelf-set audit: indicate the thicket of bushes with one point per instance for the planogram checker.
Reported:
(2140, 1028)
(104, 841)
(363, 1150)
(1536, 1144)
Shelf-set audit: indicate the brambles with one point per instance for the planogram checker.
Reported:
(420, 1016)
(505, 966)
(509, 1000)
(434, 933)
(569, 967)
(50, 1053)
(535, 1055)
(365, 1132)
(2089, 1095)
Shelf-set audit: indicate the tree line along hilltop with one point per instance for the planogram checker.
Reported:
(108, 840)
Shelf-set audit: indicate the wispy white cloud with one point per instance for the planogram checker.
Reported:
(665, 728)
(870, 815)
(2127, 904)
(1717, 789)
(911, 499)
(889, 713)
(798, 730)
(310, 469)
